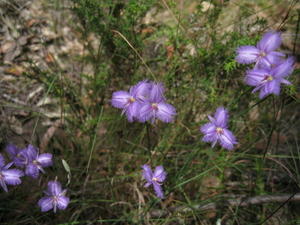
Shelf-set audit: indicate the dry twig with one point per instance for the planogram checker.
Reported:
(257, 200)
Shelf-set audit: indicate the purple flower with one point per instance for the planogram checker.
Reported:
(9, 176)
(55, 198)
(268, 80)
(156, 179)
(17, 155)
(130, 101)
(156, 107)
(263, 54)
(216, 130)
(36, 162)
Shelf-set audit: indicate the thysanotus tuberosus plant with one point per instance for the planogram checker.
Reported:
(125, 146)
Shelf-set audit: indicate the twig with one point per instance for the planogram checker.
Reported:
(279, 207)
(257, 200)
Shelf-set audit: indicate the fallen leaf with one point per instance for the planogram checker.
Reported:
(31, 22)
(147, 30)
(170, 51)
(15, 70)
(7, 46)
(49, 58)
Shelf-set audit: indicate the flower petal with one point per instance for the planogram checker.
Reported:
(12, 150)
(247, 54)
(54, 188)
(132, 111)
(7, 166)
(62, 202)
(263, 93)
(157, 92)
(145, 112)
(165, 112)
(31, 152)
(270, 41)
(21, 158)
(284, 81)
(255, 77)
(211, 119)
(227, 139)
(46, 204)
(270, 87)
(160, 174)
(45, 159)
(212, 137)
(2, 161)
(147, 184)
(141, 90)
(158, 190)
(208, 128)
(120, 99)
(273, 87)
(12, 176)
(32, 170)
(147, 173)
(284, 69)
(221, 117)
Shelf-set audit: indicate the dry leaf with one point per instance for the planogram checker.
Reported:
(49, 58)
(170, 51)
(31, 22)
(147, 30)
(7, 46)
(15, 70)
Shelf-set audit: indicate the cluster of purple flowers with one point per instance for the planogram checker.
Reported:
(30, 159)
(145, 101)
(271, 67)
(32, 162)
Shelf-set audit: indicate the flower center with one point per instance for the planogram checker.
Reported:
(154, 106)
(219, 130)
(262, 54)
(154, 179)
(35, 162)
(268, 78)
(131, 100)
(54, 199)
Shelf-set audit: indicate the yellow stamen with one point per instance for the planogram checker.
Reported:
(219, 130)
(131, 99)
(262, 54)
(154, 106)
